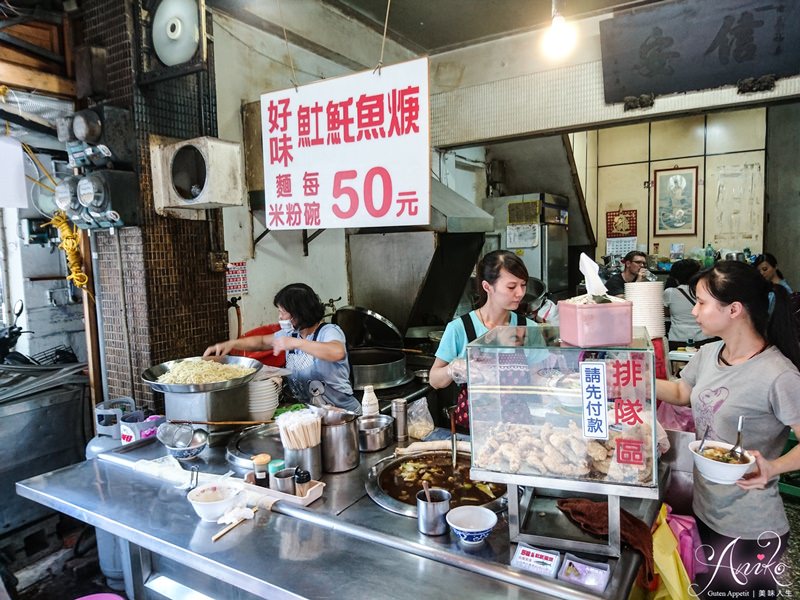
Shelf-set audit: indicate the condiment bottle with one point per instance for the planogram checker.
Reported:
(369, 402)
(260, 462)
(302, 482)
(399, 408)
(273, 467)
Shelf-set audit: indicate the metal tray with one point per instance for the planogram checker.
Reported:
(384, 500)
(151, 375)
(251, 441)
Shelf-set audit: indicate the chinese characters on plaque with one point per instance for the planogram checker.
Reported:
(625, 376)
(696, 45)
(349, 152)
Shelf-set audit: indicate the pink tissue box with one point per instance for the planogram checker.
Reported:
(586, 325)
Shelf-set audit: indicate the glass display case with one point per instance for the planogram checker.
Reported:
(545, 414)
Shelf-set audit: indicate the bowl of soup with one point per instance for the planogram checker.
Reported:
(716, 465)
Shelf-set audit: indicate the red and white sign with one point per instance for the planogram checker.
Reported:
(349, 152)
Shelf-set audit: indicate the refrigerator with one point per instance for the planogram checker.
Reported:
(533, 226)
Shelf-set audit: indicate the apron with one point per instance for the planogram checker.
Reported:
(307, 385)
(303, 373)
(513, 369)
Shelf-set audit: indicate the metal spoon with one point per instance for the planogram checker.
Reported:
(737, 451)
(426, 486)
(703, 442)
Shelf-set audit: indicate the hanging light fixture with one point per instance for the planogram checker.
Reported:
(560, 38)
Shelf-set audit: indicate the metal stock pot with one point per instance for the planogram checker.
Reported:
(374, 348)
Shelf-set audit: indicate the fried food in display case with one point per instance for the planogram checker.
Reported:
(543, 410)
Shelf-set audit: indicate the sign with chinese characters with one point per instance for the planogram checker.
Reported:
(627, 376)
(349, 152)
(594, 400)
(696, 44)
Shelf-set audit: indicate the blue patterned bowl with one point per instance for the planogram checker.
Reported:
(187, 453)
(197, 442)
(472, 524)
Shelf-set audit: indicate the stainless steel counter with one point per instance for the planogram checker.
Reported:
(343, 545)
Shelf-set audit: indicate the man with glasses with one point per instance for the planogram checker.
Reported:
(634, 269)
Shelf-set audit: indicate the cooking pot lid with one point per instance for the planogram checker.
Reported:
(364, 327)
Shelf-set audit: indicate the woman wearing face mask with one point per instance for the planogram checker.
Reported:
(502, 281)
(315, 351)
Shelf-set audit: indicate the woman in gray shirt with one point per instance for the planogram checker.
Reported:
(752, 372)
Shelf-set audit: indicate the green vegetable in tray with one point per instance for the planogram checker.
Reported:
(292, 407)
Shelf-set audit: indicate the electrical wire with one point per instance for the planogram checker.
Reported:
(71, 247)
(38, 163)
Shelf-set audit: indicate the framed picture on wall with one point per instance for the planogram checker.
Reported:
(675, 201)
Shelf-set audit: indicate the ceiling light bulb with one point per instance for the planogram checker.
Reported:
(559, 40)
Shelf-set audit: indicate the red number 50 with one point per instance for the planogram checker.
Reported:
(340, 189)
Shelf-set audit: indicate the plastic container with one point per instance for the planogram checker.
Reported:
(260, 464)
(587, 325)
(369, 402)
(275, 465)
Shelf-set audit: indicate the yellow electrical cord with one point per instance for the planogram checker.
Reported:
(69, 244)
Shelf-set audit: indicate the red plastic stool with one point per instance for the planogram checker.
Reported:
(103, 596)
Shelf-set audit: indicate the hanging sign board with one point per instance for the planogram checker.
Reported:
(349, 152)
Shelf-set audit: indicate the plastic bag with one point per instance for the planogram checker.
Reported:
(420, 421)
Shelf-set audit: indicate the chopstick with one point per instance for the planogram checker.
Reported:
(222, 532)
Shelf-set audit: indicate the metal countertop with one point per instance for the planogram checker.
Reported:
(341, 545)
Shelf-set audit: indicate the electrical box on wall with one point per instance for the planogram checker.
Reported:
(200, 173)
(101, 199)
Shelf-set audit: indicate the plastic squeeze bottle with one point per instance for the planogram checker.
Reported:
(709, 258)
(369, 402)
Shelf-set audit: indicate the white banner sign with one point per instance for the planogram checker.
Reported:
(594, 399)
(349, 152)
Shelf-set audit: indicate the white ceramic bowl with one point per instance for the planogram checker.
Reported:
(212, 500)
(716, 471)
(472, 524)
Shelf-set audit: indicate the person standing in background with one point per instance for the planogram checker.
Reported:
(634, 269)
(767, 265)
(679, 303)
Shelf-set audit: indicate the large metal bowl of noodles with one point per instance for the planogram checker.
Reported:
(151, 375)
(393, 482)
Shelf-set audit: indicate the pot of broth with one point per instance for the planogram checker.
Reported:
(393, 483)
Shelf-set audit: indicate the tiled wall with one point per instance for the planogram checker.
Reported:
(159, 299)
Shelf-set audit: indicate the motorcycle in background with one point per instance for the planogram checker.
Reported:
(8, 339)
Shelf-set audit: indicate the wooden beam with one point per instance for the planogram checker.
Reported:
(90, 320)
(18, 76)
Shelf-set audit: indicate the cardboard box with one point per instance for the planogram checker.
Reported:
(587, 325)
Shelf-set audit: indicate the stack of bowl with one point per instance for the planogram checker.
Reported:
(263, 398)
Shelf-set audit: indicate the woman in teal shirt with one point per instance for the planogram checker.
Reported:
(502, 281)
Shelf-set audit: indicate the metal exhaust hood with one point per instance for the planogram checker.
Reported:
(452, 213)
